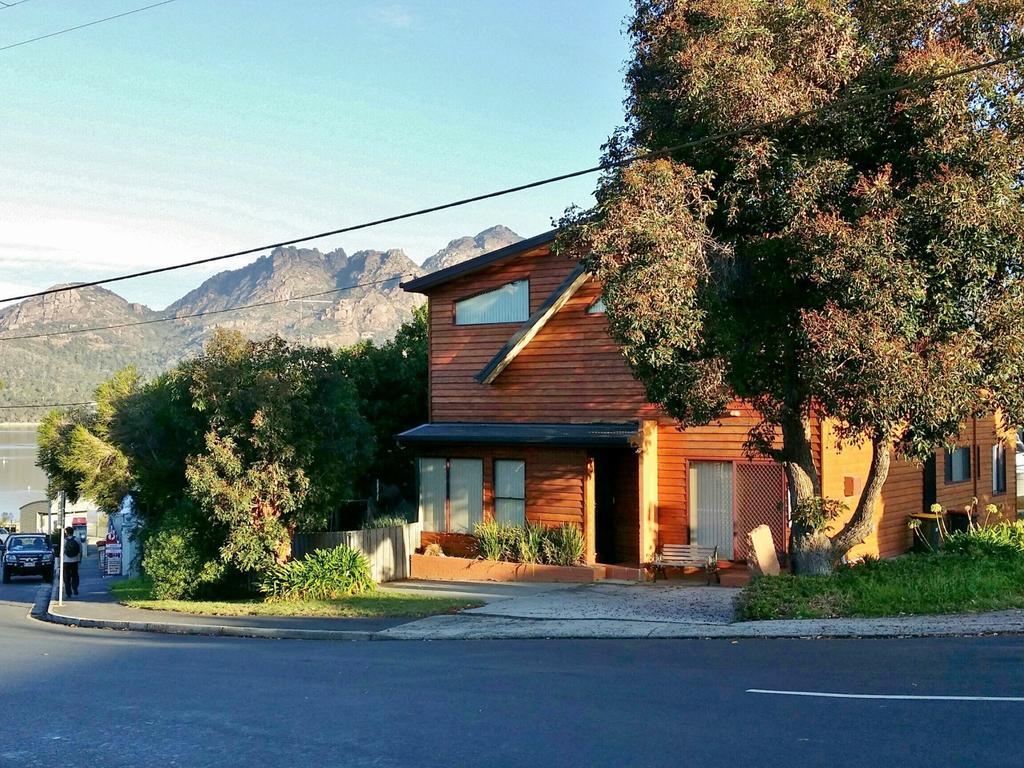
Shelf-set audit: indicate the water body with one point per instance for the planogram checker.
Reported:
(21, 481)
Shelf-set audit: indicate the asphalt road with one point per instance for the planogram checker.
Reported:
(92, 698)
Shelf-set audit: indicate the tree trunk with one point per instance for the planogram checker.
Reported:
(862, 523)
(810, 551)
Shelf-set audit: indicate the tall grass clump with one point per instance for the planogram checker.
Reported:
(564, 545)
(326, 574)
(497, 541)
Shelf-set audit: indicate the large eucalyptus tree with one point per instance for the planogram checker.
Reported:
(847, 249)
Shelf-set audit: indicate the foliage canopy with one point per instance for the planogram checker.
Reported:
(861, 262)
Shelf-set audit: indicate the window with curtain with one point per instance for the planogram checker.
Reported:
(451, 494)
(508, 304)
(958, 464)
(999, 468)
(433, 491)
(510, 491)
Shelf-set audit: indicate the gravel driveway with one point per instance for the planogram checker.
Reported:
(664, 603)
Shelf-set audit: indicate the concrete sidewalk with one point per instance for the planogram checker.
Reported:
(523, 611)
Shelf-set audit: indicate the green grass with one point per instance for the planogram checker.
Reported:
(915, 584)
(137, 593)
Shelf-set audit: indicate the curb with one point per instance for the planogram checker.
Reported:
(207, 630)
(41, 612)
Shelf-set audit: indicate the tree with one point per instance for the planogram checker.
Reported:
(860, 262)
(284, 442)
(76, 451)
(392, 383)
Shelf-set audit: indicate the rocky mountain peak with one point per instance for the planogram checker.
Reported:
(91, 305)
(465, 248)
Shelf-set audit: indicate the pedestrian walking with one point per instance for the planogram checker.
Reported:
(69, 563)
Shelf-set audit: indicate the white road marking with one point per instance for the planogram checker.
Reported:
(887, 696)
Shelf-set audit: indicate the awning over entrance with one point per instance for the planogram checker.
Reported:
(587, 435)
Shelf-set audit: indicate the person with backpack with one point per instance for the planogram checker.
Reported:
(69, 563)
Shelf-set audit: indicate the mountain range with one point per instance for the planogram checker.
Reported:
(348, 298)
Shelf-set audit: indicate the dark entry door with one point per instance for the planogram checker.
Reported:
(604, 508)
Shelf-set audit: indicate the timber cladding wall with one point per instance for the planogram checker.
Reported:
(980, 436)
(571, 371)
(721, 441)
(843, 473)
(554, 479)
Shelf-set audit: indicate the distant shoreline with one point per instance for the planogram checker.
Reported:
(19, 423)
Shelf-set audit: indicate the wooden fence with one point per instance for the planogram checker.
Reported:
(387, 549)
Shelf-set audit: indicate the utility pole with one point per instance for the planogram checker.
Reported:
(60, 587)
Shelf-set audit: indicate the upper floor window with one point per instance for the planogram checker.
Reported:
(999, 468)
(597, 308)
(508, 304)
(958, 464)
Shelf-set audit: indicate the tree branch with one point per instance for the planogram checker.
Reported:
(862, 522)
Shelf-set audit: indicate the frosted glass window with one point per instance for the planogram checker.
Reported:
(508, 304)
(510, 491)
(465, 494)
(597, 308)
(433, 492)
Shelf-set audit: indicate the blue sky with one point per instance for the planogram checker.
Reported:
(205, 126)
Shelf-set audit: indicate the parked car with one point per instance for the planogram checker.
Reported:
(28, 554)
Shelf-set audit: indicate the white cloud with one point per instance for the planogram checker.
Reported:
(394, 16)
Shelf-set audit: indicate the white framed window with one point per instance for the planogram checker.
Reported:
(451, 494)
(433, 494)
(508, 304)
(510, 491)
(597, 308)
(999, 468)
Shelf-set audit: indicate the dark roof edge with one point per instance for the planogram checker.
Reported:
(522, 433)
(420, 284)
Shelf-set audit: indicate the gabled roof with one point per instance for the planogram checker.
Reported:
(421, 284)
(592, 434)
(524, 335)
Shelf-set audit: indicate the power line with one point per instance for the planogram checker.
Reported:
(205, 313)
(4, 5)
(80, 26)
(604, 166)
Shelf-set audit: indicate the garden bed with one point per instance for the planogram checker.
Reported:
(435, 568)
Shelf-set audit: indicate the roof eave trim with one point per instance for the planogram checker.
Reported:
(422, 284)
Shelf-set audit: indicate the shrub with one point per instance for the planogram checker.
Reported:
(326, 574)
(564, 545)
(178, 567)
(497, 541)
(433, 549)
(384, 521)
(531, 543)
(999, 539)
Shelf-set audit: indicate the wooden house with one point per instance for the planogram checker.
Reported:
(534, 415)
